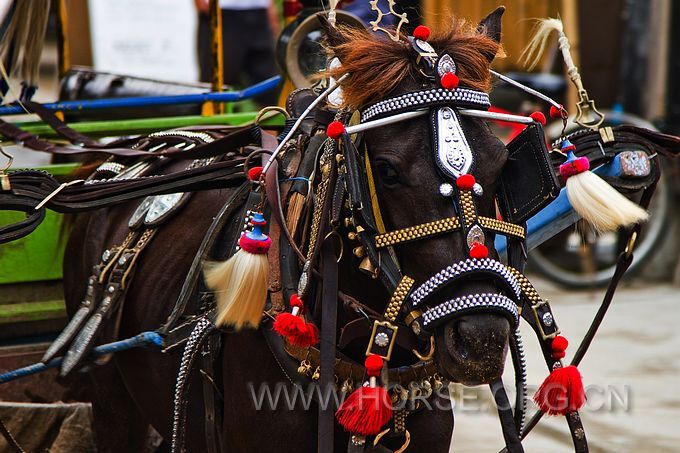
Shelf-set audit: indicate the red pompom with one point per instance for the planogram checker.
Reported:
(254, 246)
(335, 130)
(365, 411)
(465, 182)
(559, 343)
(254, 173)
(373, 364)
(539, 117)
(295, 301)
(421, 32)
(574, 167)
(296, 330)
(556, 112)
(562, 392)
(478, 251)
(449, 81)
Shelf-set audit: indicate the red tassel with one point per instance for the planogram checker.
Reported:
(294, 327)
(367, 409)
(562, 392)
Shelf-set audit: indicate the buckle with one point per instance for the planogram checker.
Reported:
(383, 338)
(545, 320)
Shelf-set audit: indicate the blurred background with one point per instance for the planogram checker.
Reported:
(628, 53)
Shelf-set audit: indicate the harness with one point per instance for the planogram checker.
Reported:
(343, 195)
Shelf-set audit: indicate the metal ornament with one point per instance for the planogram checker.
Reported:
(446, 64)
(162, 206)
(446, 189)
(476, 234)
(375, 24)
(137, 216)
(453, 153)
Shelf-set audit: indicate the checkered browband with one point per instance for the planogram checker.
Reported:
(460, 97)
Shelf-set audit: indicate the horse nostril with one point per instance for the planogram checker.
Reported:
(482, 328)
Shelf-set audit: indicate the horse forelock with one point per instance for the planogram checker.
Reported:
(377, 65)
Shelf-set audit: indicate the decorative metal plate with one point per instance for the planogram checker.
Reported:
(635, 164)
(453, 154)
(445, 64)
(162, 206)
(137, 216)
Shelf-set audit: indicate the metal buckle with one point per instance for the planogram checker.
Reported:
(383, 338)
(539, 321)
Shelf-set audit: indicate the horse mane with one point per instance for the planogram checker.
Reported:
(377, 65)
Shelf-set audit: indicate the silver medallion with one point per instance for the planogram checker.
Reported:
(445, 64)
(454, 155)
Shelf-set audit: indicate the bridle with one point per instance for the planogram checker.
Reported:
(408, 304)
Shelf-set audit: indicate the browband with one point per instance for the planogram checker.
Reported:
(461, 97)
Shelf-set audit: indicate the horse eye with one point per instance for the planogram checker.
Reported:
(388, 175)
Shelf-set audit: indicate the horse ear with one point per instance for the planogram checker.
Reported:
(333, 37)
(491, 26)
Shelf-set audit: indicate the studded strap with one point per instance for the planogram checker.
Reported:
(442, 226)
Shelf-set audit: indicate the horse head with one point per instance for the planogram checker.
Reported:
(412, 187)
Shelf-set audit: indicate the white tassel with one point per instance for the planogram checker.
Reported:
(240, 283)
(594, 199)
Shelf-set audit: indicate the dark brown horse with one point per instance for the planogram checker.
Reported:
(135, 389)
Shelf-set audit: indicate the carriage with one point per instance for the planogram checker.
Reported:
(352, 254)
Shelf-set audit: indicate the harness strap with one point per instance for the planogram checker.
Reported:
(11, 441)
(329, 318)
(510, 434)
(187, 291)
(212, 424)
(236, 137)
(447, 225)
(624, 261)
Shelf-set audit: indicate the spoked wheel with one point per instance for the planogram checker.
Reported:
(580, 257)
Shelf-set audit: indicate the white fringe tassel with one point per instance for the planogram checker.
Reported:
(240, 286)
(600, 204)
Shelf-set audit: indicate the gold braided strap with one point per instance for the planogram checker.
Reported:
(447, 225)
(417, 232)
(394, 307)
(545, 321)
(505, 228)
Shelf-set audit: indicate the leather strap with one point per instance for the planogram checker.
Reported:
(11, 441)
(510, 434)
(329, 318)
(236, 137)
(213, 433)
(58, 125)
(624, 261)
(187, 291)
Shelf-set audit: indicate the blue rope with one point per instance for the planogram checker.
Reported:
(148, 101)
(296, 178)
(143, 339)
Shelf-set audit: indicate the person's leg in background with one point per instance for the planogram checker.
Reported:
(260, 62)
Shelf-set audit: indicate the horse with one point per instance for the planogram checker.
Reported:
(133, 391)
